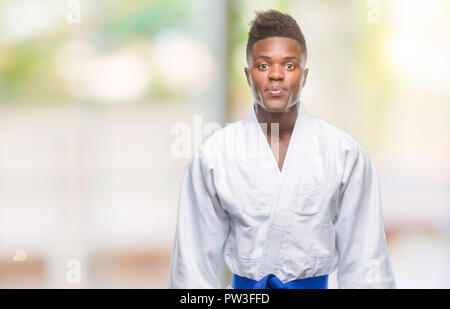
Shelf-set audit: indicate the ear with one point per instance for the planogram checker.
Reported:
(304, 79)
(247, 74)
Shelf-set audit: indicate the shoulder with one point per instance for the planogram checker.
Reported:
(352, 159)
(337, 137)
(342, 146)
(218, 143)
(334, 134)
(222, 136)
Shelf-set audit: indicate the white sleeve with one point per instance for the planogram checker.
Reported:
(360, 238)
(202, 228)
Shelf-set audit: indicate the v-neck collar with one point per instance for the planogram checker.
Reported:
(300, 111)
(285, 184)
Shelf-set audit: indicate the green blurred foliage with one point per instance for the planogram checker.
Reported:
(27, 73)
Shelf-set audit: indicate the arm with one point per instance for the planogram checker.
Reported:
(202, 228)
(360, 239)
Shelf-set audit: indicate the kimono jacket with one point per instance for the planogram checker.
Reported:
(320, 213)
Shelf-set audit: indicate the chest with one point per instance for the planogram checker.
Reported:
(279, 149)
(257, 185)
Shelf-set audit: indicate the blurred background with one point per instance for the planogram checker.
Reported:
(91, 91)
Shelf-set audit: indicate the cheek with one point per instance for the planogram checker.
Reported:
(296, 82)
(257, 81)
(294, 87)
(258, 74)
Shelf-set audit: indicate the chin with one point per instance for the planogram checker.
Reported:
(275, 105)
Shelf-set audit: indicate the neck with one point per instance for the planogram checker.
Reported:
(285, 119)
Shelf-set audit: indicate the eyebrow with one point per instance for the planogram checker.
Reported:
(285, 58)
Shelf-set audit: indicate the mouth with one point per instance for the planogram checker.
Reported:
(276, 91)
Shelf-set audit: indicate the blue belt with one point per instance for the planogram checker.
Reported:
(271, 281)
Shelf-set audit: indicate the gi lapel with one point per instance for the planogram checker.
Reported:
(264, 156)
(297, 155)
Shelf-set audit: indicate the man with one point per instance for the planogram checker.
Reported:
(286, 198)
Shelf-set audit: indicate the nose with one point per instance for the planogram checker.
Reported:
(276, 73)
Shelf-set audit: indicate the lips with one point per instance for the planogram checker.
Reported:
(275, 91)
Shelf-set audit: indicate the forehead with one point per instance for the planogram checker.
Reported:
(276, 47)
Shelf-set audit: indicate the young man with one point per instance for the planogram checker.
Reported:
(285, 197)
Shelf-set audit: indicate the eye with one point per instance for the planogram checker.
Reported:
(290, 66)
(263, 66)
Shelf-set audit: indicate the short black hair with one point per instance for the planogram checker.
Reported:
(274, 23)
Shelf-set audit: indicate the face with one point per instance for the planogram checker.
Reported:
(276, 73)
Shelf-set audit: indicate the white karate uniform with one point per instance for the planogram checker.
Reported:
(322, 211)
